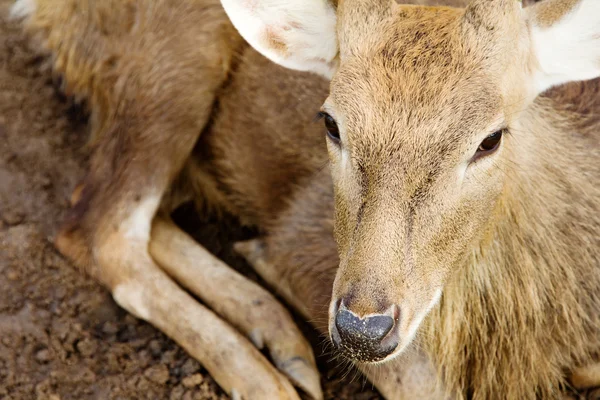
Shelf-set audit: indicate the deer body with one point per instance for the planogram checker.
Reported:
(520, 288)
(493, 292)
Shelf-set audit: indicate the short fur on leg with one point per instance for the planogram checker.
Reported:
(267, 323)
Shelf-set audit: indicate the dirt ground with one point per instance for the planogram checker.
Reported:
(61, 334)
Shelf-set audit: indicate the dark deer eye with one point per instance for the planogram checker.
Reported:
(331, 126)
(490, 143)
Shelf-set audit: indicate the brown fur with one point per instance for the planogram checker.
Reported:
(404, 226)
(534, 285)
(518, 261)
(102, 57)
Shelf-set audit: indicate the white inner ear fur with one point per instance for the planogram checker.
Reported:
(569, 50)
(23, 9)
(297, 34)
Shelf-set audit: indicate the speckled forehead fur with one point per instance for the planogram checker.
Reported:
(417, 94)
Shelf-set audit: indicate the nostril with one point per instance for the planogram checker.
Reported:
(379, 326)
(365, 339)
(373, 328)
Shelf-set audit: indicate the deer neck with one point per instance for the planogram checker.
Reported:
(521, 298)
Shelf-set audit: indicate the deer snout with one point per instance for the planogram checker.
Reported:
(366, 339)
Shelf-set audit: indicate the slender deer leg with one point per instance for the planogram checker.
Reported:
(254, 253)
(152, 295)
(149, 293)
(240, 301)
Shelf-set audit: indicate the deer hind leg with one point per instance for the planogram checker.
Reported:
(149, 70)
(298, 258)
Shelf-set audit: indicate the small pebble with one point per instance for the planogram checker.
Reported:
(155, 348)
(13, 217)
(43, 356)
(192, 380)
(168, 356)
(177, 393)
(87, 347)
(190, 366)
(157, 374)
(45, 182)
(110, 327)
(12, 275)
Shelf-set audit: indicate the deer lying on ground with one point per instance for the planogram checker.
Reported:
(467, 207)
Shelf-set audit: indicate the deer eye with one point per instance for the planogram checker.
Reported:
(490, 143)
(331, 126)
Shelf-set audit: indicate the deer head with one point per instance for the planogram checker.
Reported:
(418, 120)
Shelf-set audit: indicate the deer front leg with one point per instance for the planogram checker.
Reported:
(150, 294)
(108, 232)
(246, 305)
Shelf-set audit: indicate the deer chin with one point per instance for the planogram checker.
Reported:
(356, 342)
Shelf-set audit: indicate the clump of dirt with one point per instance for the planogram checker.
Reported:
(61, 334)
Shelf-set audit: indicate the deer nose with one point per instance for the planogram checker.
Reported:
(367, 339)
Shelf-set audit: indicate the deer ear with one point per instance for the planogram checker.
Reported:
(297, 34)
(565, 40)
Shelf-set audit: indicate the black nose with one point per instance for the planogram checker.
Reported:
(365, 339)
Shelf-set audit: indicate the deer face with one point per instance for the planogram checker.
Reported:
(418, 123)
